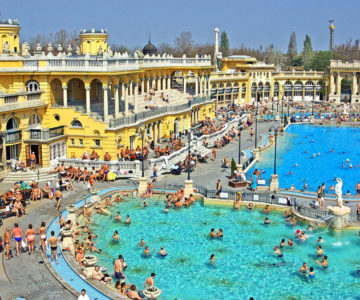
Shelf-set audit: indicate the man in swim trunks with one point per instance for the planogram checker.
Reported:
(58, 197)
(118, 269)
(304, 268)
(7, 242)
(18, 235)
(53, 243)
(150, 282)
(162, 251)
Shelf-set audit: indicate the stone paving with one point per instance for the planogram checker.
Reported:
(28, 275)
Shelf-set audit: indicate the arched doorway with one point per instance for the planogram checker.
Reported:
(56, 92)
(13, 139)
(309, 91)
(243, 92)
(76, 92)
(260, 91)
(253, 91)
(96, 93)
(288, 89)
(177, 127)
(267, 91)
(298, 91)
(276, 91)
(345, 95)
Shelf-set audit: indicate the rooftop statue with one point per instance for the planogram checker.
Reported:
(109, 51)
(60, 48)
(38, 47)
(77, 50)
(6, 48)
(25, 49)
(100, 52)
(49, 48)
(69, 49)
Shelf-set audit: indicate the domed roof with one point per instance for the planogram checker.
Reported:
(149, 49)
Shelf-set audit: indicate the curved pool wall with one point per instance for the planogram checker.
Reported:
(292, 149)
(246, 265)
(63, 269)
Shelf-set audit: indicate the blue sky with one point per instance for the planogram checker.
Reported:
(252, 22)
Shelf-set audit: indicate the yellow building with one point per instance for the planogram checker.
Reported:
(59, 105)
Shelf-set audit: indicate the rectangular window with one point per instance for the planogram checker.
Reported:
(81, 143)
(97, 143)
(72, 142)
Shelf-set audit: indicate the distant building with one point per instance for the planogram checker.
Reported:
(357, 43)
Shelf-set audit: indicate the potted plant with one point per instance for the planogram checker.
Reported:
(233, 167)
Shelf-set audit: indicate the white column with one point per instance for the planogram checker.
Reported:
(196, 85)
(184, 85)
(65, 96)
(148, 85)
(168, 82)
(106, 106)
(116, 95)
(160, 130)
(155, 132)
(123, 93)
(126, 100)
(136, 92)
(164, 83)
(131, 88)
(209, 86)
(201, 85)
(158, 83)
(87, 92)
(142, 86)
(354, 85)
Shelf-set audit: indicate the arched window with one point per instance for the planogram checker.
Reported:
(76, 124)
(34, 121)
(12, 124)
(32, 86)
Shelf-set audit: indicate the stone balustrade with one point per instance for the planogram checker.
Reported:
(62, 62)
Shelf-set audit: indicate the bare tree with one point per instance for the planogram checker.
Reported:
(184, 43)
(165, 48)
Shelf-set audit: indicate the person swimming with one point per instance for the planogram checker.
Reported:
(319, 154)
(212, 233)
(303, 268)
(290, 242)
(282, 243)
(267, 221)
(219, 234)
(319, 251)
(278, 252)
(324, 262)
(311, 273)
(314, 155)
(332, 150)
(212, 260)
(141, 243)
(250, 206)
(290, 172)
(162, 251)
(320, 240)
(147, 251)
(118, 217)
(296, 165)
(115, 236)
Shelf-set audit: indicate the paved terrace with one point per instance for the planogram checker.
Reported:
(27, 276)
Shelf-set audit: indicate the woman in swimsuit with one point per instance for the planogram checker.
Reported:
(42, 235)
(115, 236)
(30, 238)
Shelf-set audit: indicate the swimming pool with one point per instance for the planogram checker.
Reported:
(245, 264)
(298, 146)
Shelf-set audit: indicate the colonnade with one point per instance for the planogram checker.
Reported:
(202, 85)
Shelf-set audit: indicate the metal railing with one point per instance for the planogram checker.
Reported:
(35, 134)
(309, 212)
(248, 162)
(13, 136)
(11, 99)
(56, 131)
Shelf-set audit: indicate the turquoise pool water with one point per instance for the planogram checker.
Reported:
(298, 146)
(245, 263)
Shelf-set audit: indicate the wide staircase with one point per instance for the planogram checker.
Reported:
(40, 175)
